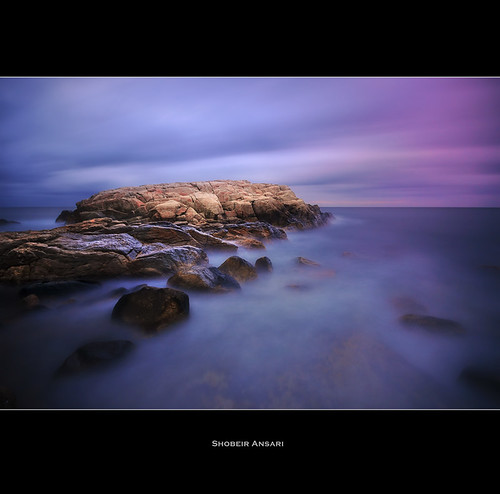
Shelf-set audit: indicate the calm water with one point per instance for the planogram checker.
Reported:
(331, 340)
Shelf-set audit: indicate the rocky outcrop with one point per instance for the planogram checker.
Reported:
(153, 230)
(151, 308)
(201, 203)
(95, 354)
(57, 254)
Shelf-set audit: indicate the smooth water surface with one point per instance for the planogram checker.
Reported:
(324, 337)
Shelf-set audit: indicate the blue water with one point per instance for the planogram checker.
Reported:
(296, 338)
(26, 218)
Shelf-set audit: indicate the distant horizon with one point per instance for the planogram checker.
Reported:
(336, 141)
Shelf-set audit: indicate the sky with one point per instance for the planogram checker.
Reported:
(336, 141)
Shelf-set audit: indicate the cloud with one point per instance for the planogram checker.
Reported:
(61, 138)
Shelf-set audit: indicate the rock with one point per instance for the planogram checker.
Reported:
(59, 255)
(204, 279)
(431, 323)
(32, 303)
(302, 261)
(197, 202)
(250, 243)
(66, 216)
(93, 355)
(256, 230)
(162, 234)
(239, 269)
(53, 289)
(7, 398)
(158, 260)
(209, 242)
(482, 378)
(408, 305)
(8, 222)
(263, 264)
(152, 308)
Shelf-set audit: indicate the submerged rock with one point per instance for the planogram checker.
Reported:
(408, 305)
(204, 279)
(152, 308)
(431, 323)
(302, 261)
(93, 355)
(239, 268)
(482, 378)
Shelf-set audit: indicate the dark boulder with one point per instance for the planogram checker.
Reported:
(239, 268)
(93, 355)
(152, 308)
(204, 279)
(264, 264)
(431, 323)
(53, 289)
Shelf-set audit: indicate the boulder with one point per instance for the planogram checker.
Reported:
(432, 323)
(264, 264)
(60, 255)
(239, 268)
(93, 355)
(152, 308)
(204, 279)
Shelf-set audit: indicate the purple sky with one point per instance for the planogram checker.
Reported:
(335, 141)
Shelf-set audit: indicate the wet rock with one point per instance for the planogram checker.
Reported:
(204, 279)
(152, 308)
(264, 264)
(59, 255)
(297, 286)
(431, 323)
(7, 398)
(8, 222)
(53, 289)
(239, 268)
(158, 260)
(93, 355)
(302, 261)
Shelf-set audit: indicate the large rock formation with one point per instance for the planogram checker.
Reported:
(154, 230)
(50, 255)
(199, 203)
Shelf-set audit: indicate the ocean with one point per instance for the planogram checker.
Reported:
(322, 337)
